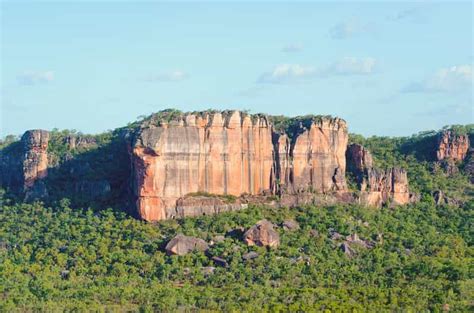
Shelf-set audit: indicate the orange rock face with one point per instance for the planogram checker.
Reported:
(389, 186)
(232, 153)
(314, 160)
(452, 146)
(200, 153)
(35, 163)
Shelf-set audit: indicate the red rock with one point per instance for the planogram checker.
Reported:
(452, 146)
(262, 234)
(182, 245)
(35, 162)
(231, 153)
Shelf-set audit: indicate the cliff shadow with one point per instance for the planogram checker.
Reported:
(97, 178)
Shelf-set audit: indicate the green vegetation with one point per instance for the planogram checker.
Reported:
(64, 259)
(416, 155)
(56, 256)
(225, 198)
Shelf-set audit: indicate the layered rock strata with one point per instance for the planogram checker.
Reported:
(452, 146)
(25, 163)
(232, 153)
(377, 186)
(35, 162)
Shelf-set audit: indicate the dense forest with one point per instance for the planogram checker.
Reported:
(60, 255)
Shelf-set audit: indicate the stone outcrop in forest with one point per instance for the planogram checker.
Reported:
(233, 153)
(452, 146)
(377, 186)
(25, 163)
(190, 164)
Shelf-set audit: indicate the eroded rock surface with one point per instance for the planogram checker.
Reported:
(213, 153)
(377, 186)
(359, 159)
(232, 153)
(262, 234)
(452, 146)
(35, 162)
(24, 164)
(386, 186)
(182, 245)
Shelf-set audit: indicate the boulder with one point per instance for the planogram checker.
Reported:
(262, 234)
(220, 261)
(290, 225)
(250, 255)
(182, 245)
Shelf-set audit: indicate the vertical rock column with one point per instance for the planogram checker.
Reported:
(35, 162)
(217, 153)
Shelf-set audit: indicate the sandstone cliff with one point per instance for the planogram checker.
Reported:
(189, 164)
(232, 153)
(25, 163)
(35, 163)
(314, 159)
(377, 186)
(213, 153)
(452, 146)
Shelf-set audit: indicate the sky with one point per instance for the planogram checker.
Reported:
(387, 68)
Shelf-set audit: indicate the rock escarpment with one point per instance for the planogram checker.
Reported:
(174, 165)
(35, 162)
(25, 164)
(452, 146)
(232, 153)
(377, 186)
(311, 157)
(212, 153)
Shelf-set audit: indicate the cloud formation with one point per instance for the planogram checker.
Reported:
(453, 79)
(351, 66)
(293, 73)
(173, 76)
(33, 78)
(292, 48)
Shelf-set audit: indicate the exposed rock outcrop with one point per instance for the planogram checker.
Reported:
(359, 159)
(290, 225)
(262, 234)
(35, 162)
(314, 158)
(385, 186)
(80, 142)
(24, 164)
(452, 146)
(182, 245)
(212, 153)
(377, 186)
(469, 165)
(232, 153)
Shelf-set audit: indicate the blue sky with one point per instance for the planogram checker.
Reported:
(388, 68)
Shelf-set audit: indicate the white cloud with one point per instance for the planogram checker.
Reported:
(351, 66)
(33, 78)
(291, 73)
(292, 48)
(348, 29)
(287, 73)
(173, 76)
(452, 79)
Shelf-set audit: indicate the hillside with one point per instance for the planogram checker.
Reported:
(386, 224)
